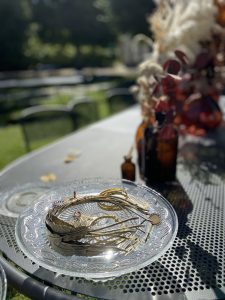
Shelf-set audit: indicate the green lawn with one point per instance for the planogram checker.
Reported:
(12, 294)
(12, 145)
(11, 138)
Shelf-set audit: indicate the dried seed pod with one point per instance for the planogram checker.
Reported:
(155, 219)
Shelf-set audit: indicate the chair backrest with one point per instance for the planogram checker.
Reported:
(83, 111)
(119, 99)
(42, 124)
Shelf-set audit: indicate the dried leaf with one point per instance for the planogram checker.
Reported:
(181, 56)
(69, 158)
(162, 106)
(48, 177)
(169, 84)
(172, 66)
(202, 61)
(176, 77)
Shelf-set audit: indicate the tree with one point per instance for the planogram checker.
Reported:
(72, 21)
(14, 21)
(75, 21)
(130, 16)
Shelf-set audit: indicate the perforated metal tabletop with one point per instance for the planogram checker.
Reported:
(192, 269)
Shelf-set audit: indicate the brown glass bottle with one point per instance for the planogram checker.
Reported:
(128, 169)
(221, 12)
(161, 152)
(140, 143)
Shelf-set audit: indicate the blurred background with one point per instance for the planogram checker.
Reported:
(56, 52)
(41, 34)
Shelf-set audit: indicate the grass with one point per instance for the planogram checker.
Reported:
(12, 294)
(61, 99)
(12, 145)
(11, 138)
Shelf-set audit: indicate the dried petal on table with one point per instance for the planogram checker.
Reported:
(69, 158)
(48, 177)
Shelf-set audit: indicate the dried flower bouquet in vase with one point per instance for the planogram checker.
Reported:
(157, 135)
(180, 84)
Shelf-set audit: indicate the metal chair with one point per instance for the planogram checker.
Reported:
(43, 124)
(83, 111)
(119, 99)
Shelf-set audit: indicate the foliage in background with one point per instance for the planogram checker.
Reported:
(71, 21)
(15, 17)
(39, 52)
(54, 31)
(130, 16)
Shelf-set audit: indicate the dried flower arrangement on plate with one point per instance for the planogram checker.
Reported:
(86, 235)
(108, 228)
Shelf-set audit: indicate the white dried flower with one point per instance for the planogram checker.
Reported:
(150, 68)
(143, 82)
(182, 25)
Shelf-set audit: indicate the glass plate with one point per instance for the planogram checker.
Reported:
(16, 200)
(32, 238)
(3, 284)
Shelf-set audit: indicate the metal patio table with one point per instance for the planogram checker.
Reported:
(194, 266)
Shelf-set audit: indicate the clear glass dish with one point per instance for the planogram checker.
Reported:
(16, 200)
(31, 233)
(3, 284)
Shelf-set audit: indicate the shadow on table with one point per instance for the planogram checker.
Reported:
(167, 284)
(204, 158)
(178, 198)
(204, 263)
(207, 267)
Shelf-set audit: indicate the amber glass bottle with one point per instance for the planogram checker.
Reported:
(128, 169)
(150, 166)
(221, 12)
(161, 145)
(140, 143)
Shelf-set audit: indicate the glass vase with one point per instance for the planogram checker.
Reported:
(161, 154)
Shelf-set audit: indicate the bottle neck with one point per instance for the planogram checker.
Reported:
(127, 160)
(160, 118)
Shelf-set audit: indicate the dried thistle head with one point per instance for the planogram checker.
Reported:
(150, 74)
(156, 83)
(174, 25)
(150, 69)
